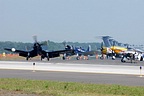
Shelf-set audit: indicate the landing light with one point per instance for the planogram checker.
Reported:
(13, 49)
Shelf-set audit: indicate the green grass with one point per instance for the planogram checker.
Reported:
(53, 88)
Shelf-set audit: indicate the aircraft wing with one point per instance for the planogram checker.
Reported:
(14, 50)
(22, 53)
(62, 51)
(90, 53)
(53, 54)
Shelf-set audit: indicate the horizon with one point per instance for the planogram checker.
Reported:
(76, 20)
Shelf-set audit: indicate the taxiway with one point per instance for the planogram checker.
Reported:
(89, 71)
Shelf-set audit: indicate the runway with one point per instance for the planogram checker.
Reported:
(87, 66)
(89, 71)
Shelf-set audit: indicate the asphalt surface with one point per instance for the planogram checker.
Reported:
(126, 78)
(129, 80)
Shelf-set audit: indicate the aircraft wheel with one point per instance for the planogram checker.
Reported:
(48, 58)
(113, 57)
(122, 60)
(41, 58)
(27, 58)
(63, 57)
(141, 59)
(101, 57)
(77, 58)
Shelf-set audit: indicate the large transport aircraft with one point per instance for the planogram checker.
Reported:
(37, 50)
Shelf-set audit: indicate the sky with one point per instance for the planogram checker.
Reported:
(72, 20)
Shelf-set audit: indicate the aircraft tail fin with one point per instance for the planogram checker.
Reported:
(106, 41)
(89, 48)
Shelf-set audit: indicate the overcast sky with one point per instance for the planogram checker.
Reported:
(72, 20)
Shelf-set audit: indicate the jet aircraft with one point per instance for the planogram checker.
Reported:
(37, 50)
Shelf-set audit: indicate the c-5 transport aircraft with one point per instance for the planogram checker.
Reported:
(37, 50)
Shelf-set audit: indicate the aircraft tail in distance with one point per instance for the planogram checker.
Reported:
(89, 48)
(106, 41)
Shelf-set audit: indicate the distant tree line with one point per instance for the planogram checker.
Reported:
(49, 45)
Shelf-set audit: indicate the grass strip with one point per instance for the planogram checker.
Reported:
(53, 88)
